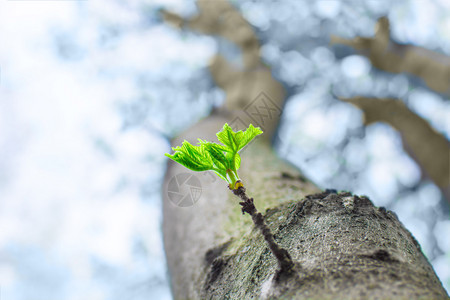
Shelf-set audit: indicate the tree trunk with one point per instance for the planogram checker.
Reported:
(343, 246)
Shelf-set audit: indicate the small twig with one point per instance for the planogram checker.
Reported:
(285, 262)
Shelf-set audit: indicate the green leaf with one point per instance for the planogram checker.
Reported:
(235, 141)
(186, 162)
(249, 135)
(223, 159)
(216, 153)
(226, 137)
(195, 158)
(237, 161)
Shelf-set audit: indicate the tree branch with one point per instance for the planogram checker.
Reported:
(426, 146)
(285, 263)
(385, 54)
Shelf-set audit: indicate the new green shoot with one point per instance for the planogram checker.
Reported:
(223, 159)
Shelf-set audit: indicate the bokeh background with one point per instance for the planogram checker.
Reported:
(92, 91)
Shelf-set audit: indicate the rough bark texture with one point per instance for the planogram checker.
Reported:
(343, 246)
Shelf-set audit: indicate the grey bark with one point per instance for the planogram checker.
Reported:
(343, 246)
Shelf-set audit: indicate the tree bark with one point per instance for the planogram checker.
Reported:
(342, 245)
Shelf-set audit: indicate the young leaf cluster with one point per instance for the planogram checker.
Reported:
(223, 158)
